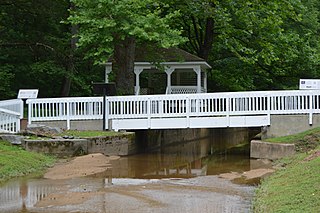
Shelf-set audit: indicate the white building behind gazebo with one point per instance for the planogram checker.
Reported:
(185, 73)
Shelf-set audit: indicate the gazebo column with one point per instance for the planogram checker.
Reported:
(205, 79)
(107, 72)
(198, 71)
(169, 71)
(137, 71)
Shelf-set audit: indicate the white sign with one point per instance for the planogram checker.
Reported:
(311, 84)
(28, 93)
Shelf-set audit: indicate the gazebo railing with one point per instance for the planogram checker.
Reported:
(184, 90)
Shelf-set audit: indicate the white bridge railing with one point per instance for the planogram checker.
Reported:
(65, 109)
(11, 111)
(205, 110)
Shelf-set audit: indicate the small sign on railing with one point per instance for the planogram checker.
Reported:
(28, 93)
(309, 84)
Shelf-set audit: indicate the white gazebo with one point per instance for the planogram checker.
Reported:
(185, 73)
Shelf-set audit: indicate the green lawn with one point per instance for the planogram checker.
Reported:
(304, 141)
(295, 137)
(296, 187)
(83, 134)
(293, 189)
(15, 162)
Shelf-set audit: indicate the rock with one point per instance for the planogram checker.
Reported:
(42, 130)
(257, 173)
(230, 175)
(13, 139)
(251, 177)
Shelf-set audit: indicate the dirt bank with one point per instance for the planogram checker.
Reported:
(86, 165)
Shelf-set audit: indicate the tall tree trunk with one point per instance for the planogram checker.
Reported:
(206, 45)
(123, 65)
(66, 85)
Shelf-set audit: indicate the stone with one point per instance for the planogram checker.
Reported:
(230, 175)
(257, 173)
(13, 139)
(272, 151)
(42, 130)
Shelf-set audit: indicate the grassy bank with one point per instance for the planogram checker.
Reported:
(84, 134)
(295, 187)
(15, 162)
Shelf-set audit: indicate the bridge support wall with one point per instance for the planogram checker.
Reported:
(215, 140)
(283, 125)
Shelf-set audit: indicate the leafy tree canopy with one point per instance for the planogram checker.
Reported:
(252, 44)
(104, 23)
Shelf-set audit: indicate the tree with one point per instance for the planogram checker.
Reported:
(37, 50)
(250, 44)
(109, 27)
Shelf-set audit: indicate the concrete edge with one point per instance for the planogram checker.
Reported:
(272, 151)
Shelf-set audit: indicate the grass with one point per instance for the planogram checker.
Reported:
(16, 162)
(295, 188)
(304, 141)
(84, 134)
(295, 137)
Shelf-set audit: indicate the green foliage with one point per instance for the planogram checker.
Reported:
(35, 50)
(293, 189)
(251, 45)
(105, 23)
(15, 162)
(6, 76)
(256, 45)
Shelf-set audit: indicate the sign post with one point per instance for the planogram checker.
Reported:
(105, 89)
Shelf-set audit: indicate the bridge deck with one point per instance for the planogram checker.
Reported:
(206, 110)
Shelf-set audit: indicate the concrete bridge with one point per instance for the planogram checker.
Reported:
(282, 112)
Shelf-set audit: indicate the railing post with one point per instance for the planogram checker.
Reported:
(188, 110)
(269, 109)
(310, 108)
(30, 111)
(68, 114)
(18, 124)
(106, 113)
(228, 110)
(149, 112)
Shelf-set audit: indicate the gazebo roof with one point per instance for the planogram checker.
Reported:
(172, 54)
(145, 56)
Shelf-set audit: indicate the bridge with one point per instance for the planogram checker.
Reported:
(202, 110)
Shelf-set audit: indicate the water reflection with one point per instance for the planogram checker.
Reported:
(180, 161)
(23, 194)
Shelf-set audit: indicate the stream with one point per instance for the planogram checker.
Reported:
(164, 181)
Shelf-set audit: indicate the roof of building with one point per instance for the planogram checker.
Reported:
(148, 54)
(173, 54)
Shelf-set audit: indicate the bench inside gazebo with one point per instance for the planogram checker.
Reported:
(169, 71)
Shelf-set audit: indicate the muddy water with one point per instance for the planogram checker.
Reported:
(181, 178)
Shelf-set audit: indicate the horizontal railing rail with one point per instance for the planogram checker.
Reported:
(226, 104)
(15, 105)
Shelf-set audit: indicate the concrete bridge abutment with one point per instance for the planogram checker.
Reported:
(283, 125)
